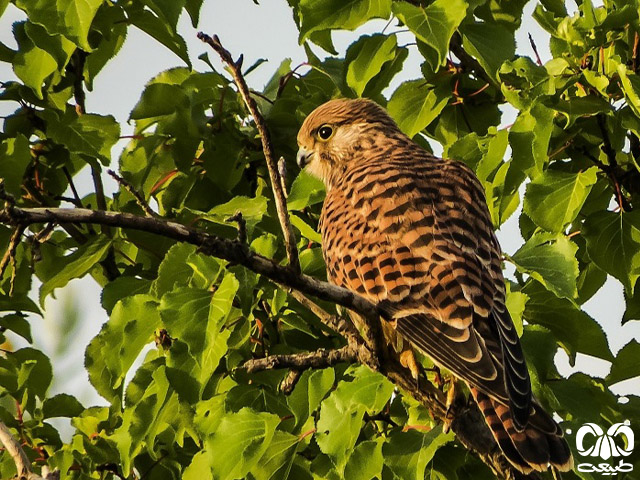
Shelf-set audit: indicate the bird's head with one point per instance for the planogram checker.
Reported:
(341, 132)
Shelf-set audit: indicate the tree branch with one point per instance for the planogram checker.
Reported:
(468, 423)
(321, 358)
(267, 147)
(23, 465)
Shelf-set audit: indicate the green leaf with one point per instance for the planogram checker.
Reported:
(305, 230)
(76, 265)
(310, 390)
(554, 198)
(71, 18)
(16, 156)
(306, 190)
(407, 454)
(366, 57)
(61, 405)
(120, 288)
(550, 259)
(174, 269)
(342, 412)
(613, 243)
(278, 457)
(490, 43)
(516, 303)
(318, 15)
(112, 352)
(414, 105)
(366, 461)
(32, 64)
(88, 134)
(195, 318)
(159, 99)
(632, 312)
(631, 88)
(433, 25)
(529, 139)
(161, 31)
(575, 330)
(626, 363)
(239, 442)
(18, 324)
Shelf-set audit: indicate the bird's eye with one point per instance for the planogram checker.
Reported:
(325, 132)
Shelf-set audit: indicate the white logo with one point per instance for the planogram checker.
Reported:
(605, 447)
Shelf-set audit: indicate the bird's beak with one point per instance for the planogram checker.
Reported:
(303, 157)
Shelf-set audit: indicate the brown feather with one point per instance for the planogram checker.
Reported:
(413, 232)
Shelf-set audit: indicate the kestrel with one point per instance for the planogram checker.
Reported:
(412, 233)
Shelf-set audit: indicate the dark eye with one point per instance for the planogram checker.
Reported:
(325, 132)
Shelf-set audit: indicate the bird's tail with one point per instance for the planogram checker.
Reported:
(539, 445)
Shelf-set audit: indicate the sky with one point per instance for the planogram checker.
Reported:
(273, 36)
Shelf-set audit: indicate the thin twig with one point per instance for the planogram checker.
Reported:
(77, 202)
(302, 361)
(267, 147)
(10, 253)
(79, 58)
(535, 50)
(242, 226)
(289, 383)
(134, 193)
(23, 465)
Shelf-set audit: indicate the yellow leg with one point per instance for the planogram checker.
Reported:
(449, 415)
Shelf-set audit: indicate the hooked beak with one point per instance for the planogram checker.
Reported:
(303, 157)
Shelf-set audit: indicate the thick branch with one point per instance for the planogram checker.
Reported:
(23, 465)
(267, 147)
(468, 424)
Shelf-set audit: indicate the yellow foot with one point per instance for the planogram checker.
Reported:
(408, 360)
(450, 406)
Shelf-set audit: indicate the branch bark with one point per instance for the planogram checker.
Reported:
(321, 358)
(267, 147)
(468, 423)
(23, 465)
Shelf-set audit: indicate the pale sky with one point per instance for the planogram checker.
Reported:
(272, 35)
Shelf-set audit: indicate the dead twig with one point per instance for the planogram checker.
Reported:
(10, 255)
(142, 203)
(267, 147)
(535, 50)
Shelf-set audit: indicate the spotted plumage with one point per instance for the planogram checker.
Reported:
(412, 232)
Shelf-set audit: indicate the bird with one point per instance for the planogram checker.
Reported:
(412, 233)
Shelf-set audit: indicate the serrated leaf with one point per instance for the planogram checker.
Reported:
(342, 412)
(366, 461)
(318, 15)
(76, 265)
(159, 99)
(16, 156)
(613, 243)
(71, 18)
(550, 259)
(554, 198)
(310, 390)
(278, 457)
(490, 43)
(306, 190)
(407, 454)
(112, 352)
(414, 105)
(195, 318)
(529, 139)
(61, 405)
(32, 64)
(575, 330)
(626, 363)
(433, 25)
(366, 57)
(173, 269)
(88, 134)
(239, 442)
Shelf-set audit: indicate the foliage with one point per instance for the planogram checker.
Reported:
(188, 411)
